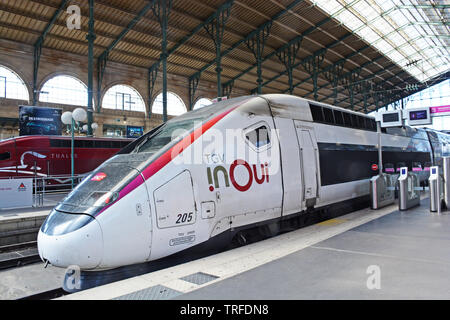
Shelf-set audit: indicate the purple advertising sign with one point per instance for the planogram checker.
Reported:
(440, 109)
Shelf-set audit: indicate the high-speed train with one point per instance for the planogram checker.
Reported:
(248, 163)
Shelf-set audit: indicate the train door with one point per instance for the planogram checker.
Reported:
(309, 163)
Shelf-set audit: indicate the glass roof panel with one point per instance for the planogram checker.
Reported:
(400, 29)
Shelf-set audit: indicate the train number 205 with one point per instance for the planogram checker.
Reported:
(185, 217)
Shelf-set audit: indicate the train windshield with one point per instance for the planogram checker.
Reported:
(176, 128)
(99, 189)
(167, 133)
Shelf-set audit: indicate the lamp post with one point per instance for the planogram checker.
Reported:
(71, 118)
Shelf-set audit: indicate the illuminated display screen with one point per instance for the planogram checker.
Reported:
(390, 117)
(418, 115)
(433, 171)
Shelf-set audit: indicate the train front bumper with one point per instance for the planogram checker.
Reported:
(82, 248)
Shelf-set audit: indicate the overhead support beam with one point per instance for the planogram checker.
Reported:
(256, 45)
(292, 42)
(333, 75)
(312, 65)
(161, 10)
(193, 85)
(247, 38)
(297, 38)
(215, 29)
(185, 39)
(38, 47)
(348, 74)
(152, 74)
(91, 38)
(103, 58)
(288, 57)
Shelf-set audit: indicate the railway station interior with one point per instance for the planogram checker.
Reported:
(335, 185)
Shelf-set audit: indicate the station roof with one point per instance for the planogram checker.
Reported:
(365, 51)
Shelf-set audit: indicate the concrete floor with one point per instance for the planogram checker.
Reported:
(411, 250)
(27, 280)
(335, 259)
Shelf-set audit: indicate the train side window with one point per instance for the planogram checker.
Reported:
(347, 119)
(364, 123)
(338, 117)
(373, 124)
(316, 112)
(5, 156)
(259, 137)
(328, 115)
(355, 121)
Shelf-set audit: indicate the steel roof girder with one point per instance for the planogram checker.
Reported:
(252, 34)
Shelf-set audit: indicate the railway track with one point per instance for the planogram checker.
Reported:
(16, 255)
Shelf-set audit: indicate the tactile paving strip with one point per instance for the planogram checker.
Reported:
(158, 292)
(199, 278)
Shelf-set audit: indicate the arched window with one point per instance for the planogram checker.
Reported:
(65, 90)
(123, 97)
(202, 102)
(12, 86)
(175, 106)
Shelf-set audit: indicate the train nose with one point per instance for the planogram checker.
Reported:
(71, 240)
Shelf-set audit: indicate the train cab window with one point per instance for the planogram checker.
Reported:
(338, 118)
(259, 137)
(5, 156)
(328, 115)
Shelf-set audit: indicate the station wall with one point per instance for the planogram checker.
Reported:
(19, 58)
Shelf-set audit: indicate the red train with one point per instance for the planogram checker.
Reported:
(50, 155)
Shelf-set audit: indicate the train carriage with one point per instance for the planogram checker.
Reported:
(245, 163)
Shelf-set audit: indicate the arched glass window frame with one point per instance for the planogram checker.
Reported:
(185, 109)
(198, 100)
(124, 95)
(4, 85)
(83, 101)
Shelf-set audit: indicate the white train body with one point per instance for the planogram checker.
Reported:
(160, 195)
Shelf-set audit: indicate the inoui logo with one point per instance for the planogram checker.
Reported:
(374, 280)
(73, 21)
(251, 170)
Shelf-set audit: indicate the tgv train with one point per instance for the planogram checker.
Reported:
(248, 163)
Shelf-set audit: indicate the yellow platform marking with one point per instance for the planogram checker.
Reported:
(331, 222)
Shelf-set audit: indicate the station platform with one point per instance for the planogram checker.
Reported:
(19, 228)
(367, 254)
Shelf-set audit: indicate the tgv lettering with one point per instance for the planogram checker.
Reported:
(213, 175)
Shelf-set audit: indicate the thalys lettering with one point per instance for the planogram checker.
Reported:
(258, 173)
